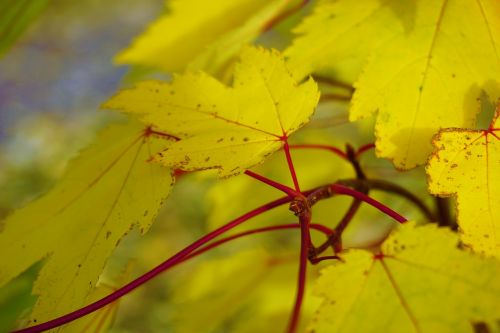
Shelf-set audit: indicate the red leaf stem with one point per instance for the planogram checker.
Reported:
(170, 262)
(344, 190)
(361, 150)
(319, 227)
(335, 150)
(283, 188)
(289, 161)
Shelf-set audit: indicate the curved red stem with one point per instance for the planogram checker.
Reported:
(175, 259)
(289, 161)
(333, 149)
(344, 190)
(361, 150)
(319, 227)
(283, 188)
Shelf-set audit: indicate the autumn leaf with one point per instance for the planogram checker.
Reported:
(422, 283)
(201, 34)
(226, 128)
(424, 70)
(467, 164)
(108, 190)
(328, 40)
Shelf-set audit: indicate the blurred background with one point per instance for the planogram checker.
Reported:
(56, 68)
(54, 74)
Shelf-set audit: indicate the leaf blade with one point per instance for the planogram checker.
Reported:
(410, 286)
(216, 31)
(466, 165)
(228, 128)
(79, 222)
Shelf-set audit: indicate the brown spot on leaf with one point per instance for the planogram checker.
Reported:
(480, 327)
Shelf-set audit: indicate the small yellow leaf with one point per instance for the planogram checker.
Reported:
(201, 34)
(108, 190)
(227, 128)
(423, 284)
(467, 164)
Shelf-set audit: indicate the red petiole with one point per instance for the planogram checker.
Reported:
(361, 150)
(332, 149)
(170, 262)
(319, 227)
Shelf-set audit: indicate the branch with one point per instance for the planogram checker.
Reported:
(393, 188)
(283, 188)
(319, 227)
(329, 191)
(333, 149)
(304, 214)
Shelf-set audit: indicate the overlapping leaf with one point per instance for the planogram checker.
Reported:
(467, 164)
(227, 128)
(201, 34)
(108, 190)
(337, 38)
(428, 64)
(424, 283)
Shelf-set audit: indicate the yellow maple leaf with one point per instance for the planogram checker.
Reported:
(425, 70)
(431, 77)
(201, 34)
(108, 190)
(329, 40)
(423, 283)
(227, 128)
(467, 164)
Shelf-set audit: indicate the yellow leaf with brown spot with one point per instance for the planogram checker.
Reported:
(422, 65)
(423, 283)
(108, 189)
(220, 127)
(467, 164)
